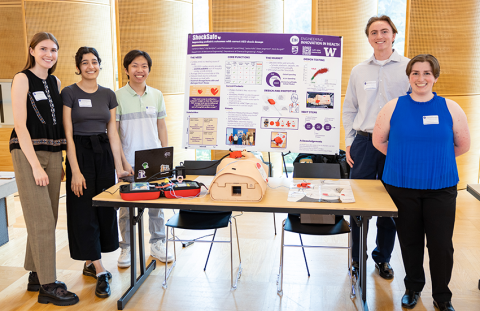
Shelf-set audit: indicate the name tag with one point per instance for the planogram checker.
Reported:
(40, 95)
(370, 85)
(430, 120)
(151, 110)
(84, 103)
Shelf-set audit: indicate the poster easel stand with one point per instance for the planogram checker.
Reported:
(284, 164)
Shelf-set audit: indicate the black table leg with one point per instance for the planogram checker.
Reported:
(363, 261)
(144, 273)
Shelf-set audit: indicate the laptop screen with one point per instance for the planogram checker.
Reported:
(152, 161)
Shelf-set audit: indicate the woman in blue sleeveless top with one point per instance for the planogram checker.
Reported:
(421, 134)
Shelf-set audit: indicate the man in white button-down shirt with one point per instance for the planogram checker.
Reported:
(372, 84)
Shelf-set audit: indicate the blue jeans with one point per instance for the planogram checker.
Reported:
(368, 164)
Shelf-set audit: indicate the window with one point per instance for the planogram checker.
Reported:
(397, 11)
(200, 16)
(297, 16)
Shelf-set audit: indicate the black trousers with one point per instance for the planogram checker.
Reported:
(369, 163)
(429, 213)
(91, 230)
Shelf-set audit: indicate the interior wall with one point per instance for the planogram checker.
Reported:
(451, 32)
(264, 16)
(161, 31)
(12, 35)
(74, 23)
(347, 19)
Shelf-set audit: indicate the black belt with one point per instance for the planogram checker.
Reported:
(93, 142)
(367, 134)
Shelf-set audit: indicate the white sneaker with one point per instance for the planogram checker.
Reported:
(159, 251)
(124, 259)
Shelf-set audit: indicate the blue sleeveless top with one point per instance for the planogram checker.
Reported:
(420, 152)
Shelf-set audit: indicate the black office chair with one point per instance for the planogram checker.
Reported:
(202, 220)
(292, 222)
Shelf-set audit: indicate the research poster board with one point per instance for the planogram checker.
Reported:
(263, 92)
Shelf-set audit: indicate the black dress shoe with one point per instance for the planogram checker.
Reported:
(103, 288)
(34, 283)
(443, 306)
(91, 271)
(385, 270)
(410, 299)
(56, 294)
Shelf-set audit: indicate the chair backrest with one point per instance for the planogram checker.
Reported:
(208, 168)
(316, 170)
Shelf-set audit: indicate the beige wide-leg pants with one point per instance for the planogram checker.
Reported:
(40, 210)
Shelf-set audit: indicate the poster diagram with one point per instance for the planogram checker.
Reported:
(203, 131)
(243, 72)
(263, 92)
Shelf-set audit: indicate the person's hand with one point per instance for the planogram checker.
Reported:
(349, 159)
(121, 174)
(78, 184)
(41, 177)
(128, 168)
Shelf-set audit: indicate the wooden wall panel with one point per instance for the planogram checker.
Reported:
(75, 24)
(13, 54)
(5, 158)
(161, 31)
(347, 19)
(451, 32)
(176, 128)
(247, 16)
(468, 164)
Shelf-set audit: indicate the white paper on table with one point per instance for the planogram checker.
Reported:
(333, 191)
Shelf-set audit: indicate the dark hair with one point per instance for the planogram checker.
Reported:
(37, 38)
(384, 18)
(422, 58)
(82, 51)
(128, 59)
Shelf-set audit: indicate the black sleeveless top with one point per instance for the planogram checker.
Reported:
(44, 115)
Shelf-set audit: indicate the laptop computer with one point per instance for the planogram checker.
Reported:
(152, 161)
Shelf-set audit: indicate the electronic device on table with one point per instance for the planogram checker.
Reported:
(169, 188)
(153, 161)
(240, 177)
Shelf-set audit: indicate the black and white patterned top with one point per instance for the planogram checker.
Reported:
(44, 115)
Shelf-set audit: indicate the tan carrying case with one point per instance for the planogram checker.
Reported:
(241, 179)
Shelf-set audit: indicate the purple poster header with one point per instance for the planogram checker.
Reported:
(264, 43)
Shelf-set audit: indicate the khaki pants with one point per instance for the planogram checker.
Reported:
(40, 210)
